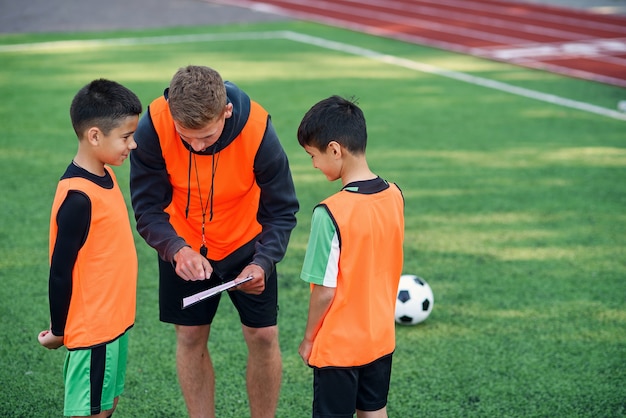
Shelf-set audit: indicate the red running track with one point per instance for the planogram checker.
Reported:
(571, 42)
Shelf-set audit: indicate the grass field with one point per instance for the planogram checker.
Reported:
(515, 215)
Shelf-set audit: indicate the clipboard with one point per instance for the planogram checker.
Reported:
(205, 294)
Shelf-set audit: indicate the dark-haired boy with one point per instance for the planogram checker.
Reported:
(93, 262)
(353, 262)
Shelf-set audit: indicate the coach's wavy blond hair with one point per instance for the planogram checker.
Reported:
(197, 96)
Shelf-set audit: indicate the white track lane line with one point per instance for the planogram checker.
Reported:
(397, 12)
(584, 22)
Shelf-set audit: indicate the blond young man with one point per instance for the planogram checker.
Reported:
(213, 194)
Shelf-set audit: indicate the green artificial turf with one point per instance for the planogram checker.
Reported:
(515, 216)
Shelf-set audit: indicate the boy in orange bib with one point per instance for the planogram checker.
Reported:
(93, 262)
(353, 263)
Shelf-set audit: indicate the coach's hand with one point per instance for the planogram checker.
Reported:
(191, 265)
(256, 286)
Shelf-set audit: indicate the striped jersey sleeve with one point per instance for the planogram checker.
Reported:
(321, 261)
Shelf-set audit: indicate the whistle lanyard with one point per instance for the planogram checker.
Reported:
(208, 204)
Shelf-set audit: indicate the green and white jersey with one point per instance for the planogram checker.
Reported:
(321, 261)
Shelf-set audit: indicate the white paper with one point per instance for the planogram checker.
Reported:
(200, 296)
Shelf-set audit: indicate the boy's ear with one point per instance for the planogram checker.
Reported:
(94, 135)
(334, 148)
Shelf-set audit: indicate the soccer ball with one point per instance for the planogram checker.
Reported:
(415, 300)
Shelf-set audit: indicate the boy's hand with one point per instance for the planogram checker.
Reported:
(306, 346)
(49, 340)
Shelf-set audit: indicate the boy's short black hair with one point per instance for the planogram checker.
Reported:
(102, 103)
(334, 119)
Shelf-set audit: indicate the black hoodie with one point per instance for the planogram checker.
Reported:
(151, 191)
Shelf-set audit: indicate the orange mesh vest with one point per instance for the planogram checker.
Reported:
(236, 193)
(359, 326)
(104, 278)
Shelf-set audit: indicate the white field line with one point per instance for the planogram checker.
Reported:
(430, 69)
(153, 40)
(80, 45)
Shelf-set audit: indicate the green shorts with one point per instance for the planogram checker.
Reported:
(94, 377)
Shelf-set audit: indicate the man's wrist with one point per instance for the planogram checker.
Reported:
(178, 252)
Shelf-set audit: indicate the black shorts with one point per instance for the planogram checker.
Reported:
(255, 311)
(339, 391)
